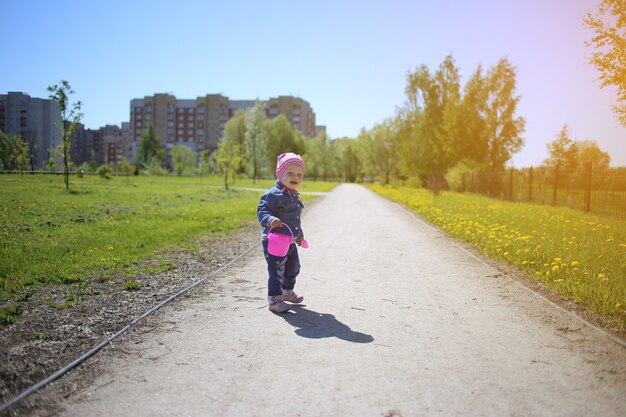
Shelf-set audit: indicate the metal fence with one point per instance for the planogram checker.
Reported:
(590, 190)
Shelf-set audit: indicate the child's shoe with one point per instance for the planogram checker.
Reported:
(277, 304)
(292, 297)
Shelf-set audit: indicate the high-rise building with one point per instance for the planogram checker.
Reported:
(199, 123)
(35, 120)
(298, 112)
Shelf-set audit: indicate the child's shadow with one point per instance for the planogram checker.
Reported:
(314, 325)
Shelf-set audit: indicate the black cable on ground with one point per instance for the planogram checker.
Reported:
(58, 374)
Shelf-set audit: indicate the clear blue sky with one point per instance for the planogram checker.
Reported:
(349, 59)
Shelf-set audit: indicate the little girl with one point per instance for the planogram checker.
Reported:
(281, 205)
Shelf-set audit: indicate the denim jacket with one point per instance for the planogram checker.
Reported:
(279, 202)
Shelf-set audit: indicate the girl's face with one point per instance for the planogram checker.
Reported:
(293, 176)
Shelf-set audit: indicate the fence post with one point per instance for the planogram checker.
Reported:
(556, 184)
(530, 184)
(588, 188)
(511, 185)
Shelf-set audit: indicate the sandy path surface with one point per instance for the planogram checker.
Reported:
(397, 321)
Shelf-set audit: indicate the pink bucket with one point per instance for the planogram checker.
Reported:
(278, 243)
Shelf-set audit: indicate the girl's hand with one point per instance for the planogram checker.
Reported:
(275, 223)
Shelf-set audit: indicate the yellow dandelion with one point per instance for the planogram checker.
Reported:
(618, 305)
(574, 263)
(555, 268)
(110, 247)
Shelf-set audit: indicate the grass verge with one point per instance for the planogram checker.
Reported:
(578, 255)
(103, 226)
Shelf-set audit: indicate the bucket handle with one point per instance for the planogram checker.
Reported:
(290, 232)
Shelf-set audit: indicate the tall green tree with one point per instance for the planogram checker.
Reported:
(472, 140)
(8, 144)
(609, 42)
(21, 155)
(255, 138)
(319, 157)
(149, 147)
(589, 151)
(183, 159)
(503, 127)
(349, 164)
(562, 151)
(281, 138)
(433, 100)
(235, 135)
(376, 152)
(228, 159)
(70, 118)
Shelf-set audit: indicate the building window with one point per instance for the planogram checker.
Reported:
(296, 118)
(180, 110)
(180, 118)
(201, 117)
(296, 125)
(273, 111)
(296, 110)
(190, 124)
(180, 132)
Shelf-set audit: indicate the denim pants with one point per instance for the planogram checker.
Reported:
(282, 270)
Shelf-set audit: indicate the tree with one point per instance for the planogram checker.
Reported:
(433, 102)
(126, 168)
(149, 147)
(8, 143)
(375, 150)
(70, 118)
(255, 138)
(280, 138)
(183, 158)
(235, 134)
(503, 129)
(471, 122)
(588, 151)
(349, 163)
(319, 157)
(563, 152)
(21, 155)
(609, 42)
(227, 158)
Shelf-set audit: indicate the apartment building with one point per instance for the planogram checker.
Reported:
(35, 120)
(199, 123)
(298, 112)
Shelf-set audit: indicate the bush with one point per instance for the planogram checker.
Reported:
(104, 171)
(454, 176)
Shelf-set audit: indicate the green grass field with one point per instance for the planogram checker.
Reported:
(578, 255)
(100, 227)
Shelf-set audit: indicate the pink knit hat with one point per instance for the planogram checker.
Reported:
(286, 159)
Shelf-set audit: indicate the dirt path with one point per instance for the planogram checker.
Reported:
(397, 320)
